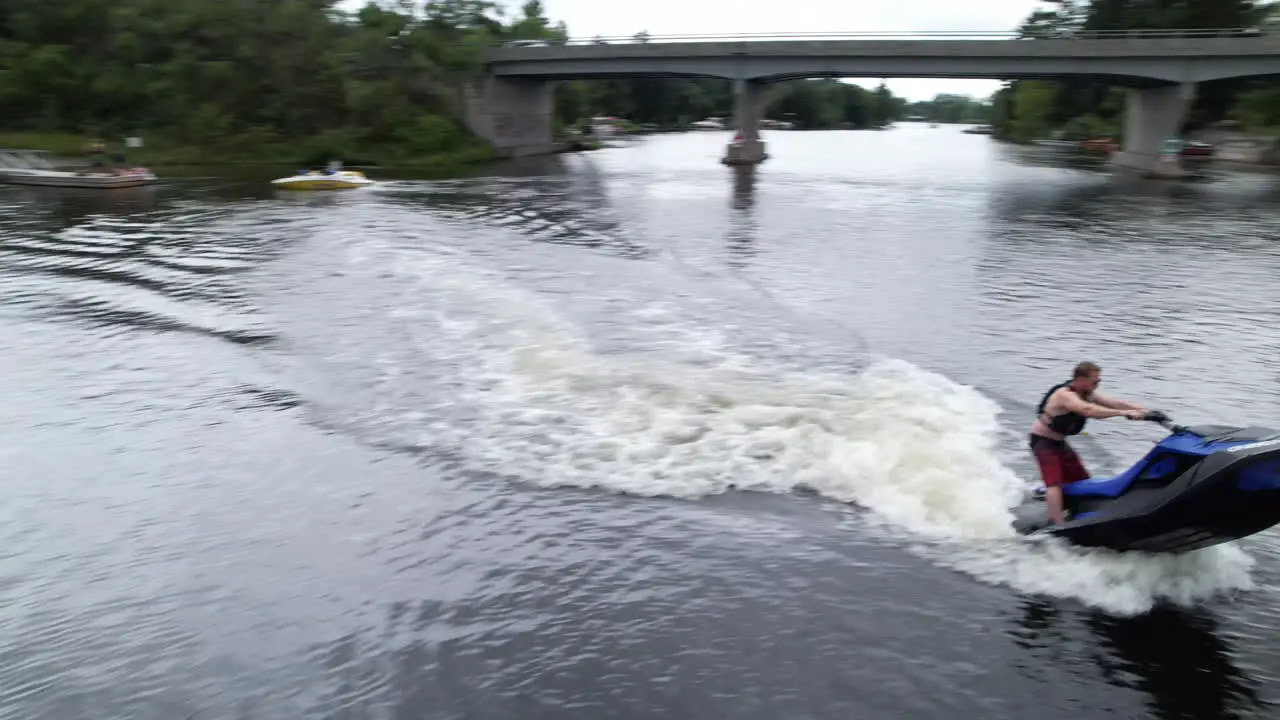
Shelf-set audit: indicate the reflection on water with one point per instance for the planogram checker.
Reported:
(741, 237)
(1051, 157)
(744, 186)
(73, 204)
(1176, 658)
(1179, 659)
(1198, 171)
(1138, 202)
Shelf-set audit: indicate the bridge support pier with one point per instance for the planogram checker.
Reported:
(748, 109)
(515, 115)
(1151, 116)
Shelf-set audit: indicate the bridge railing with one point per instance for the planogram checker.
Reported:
(1031, 34)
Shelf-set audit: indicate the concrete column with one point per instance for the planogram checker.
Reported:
(749, 105)
(1152, 116)
(515, 115)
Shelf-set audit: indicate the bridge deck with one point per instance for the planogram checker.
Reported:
(1132, 59)
(1056, 48)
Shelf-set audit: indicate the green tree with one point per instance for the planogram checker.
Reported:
(1032, 109)
(316, 78)
(1077, 104)
(946, 108)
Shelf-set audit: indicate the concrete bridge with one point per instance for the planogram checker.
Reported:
(513, 106)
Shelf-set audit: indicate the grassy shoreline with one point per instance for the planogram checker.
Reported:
(304, 152)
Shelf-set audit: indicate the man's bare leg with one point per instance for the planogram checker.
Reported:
(1053, 499)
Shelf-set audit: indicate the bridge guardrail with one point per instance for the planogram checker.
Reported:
(1047, 34)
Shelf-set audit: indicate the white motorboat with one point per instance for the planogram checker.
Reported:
(331, 178)
(29, 167)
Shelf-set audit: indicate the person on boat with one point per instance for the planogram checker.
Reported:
(119, 161)
(97, 153)
(1062, 412)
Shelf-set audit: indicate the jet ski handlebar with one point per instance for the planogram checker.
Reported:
(1157, 416)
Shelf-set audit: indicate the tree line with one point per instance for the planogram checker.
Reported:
(243, 75)
(809, 104)
(1027, 109)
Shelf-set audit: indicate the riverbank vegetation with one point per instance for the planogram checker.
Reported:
(245, 80)
(302, 81)
(1029, 109)
(947, 108)
(676, 103)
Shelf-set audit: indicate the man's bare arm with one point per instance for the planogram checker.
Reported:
(1072, 402)
(1114, 403)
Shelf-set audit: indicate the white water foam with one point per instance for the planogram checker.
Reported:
(1120, 583)
(693, 418)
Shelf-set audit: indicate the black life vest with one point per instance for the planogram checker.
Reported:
(1068, 423)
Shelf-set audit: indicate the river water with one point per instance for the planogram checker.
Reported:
(621, 434)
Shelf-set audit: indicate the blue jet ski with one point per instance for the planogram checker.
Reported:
(1199, 486)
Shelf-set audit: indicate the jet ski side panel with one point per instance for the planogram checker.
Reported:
(1158, 468)
(1260, 476)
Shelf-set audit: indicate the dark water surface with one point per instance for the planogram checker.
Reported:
(619, 435)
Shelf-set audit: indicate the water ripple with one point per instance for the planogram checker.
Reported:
(483, 447)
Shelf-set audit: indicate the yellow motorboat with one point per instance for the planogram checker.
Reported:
(331, 178)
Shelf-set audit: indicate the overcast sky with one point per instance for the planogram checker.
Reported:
(623, 18)
(588, 18)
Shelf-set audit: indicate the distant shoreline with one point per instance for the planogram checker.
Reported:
(304, 152)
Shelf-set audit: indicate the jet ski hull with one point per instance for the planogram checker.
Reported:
(1198, 487)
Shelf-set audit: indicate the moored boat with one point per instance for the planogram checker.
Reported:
(29, 167)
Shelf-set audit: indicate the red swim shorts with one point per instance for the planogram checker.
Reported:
(1059, 464)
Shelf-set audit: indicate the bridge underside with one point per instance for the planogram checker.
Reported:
(648, 75)
(1129, 72)
(513, 110)
(1192, 58)
(1118, 80)
(1128, 81)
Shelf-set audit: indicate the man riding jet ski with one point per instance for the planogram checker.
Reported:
(1062, 412)
(1197, 487)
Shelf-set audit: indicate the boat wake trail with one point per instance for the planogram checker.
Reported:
(475, 364)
